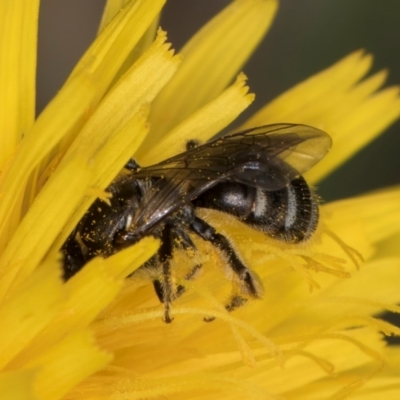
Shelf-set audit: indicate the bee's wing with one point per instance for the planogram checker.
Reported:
(268, 157)
(300, 146)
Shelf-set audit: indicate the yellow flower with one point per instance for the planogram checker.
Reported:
(314, 335)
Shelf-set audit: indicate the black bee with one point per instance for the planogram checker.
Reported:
(254, 175)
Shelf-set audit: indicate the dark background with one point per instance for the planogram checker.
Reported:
(307, 36)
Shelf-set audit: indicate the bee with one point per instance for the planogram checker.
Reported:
(254, 175)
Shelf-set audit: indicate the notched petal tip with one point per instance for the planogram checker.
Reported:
(241, 82)
(341, 102)
(202, 124)
(67, 363)
(212, 58)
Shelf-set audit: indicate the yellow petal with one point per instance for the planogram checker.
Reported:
(42, 224)
(351, 112)
(128, 260)
(388, 389)
(108, 52)
(29, 310)
(379, 213)
(340, 303)
(305, 99)
(362, 286)
(138, 86)
(68, 111)
(112, 124)
(356, 130)
(389, 247)
(211, 60)
(18, 385)
(18, 37)
(118, 126)
(201, 125)
(104, 59)
(67, 363)
(385, 384)
(300, 371)
(108, 159)
(86, 295)
(112, 8)
(59, 118)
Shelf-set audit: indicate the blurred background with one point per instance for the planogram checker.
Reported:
(307, 36)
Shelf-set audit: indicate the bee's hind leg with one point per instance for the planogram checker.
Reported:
(184, 242)
(249, 283)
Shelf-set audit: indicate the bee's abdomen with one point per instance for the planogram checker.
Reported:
(289, 214)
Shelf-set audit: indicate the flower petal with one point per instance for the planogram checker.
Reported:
(138, 86)
(111, 125)
(67, 363)
(211, 60)
(378, 212)
(86, 294)
(352, 113)
(118, 126)
(108, 52)
(84, 297)
(389, 247)
(18, 385)
(18, 37)
(356, 130)
(306, 98)
(301, 371)
(28, 310)
(343, 303)
(42, 224)
(108, 156)
(112, 8)
(67, 113)
(201, 125)
(59, 118)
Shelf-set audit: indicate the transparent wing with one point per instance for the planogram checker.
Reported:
(268, 157)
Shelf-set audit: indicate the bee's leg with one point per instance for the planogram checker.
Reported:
(171, 237)
(188, 277)
(249, 283)
(165, 289)
(236, 302)
(183, 241)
